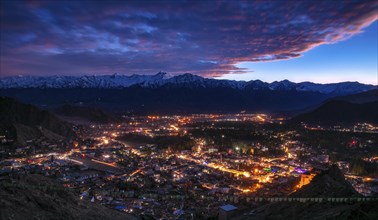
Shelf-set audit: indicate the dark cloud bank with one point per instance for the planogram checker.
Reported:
(143, 37)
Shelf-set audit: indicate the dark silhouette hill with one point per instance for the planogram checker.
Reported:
(89, 114)
(166, 100)
(24, 121)
(363, 97)
(339, 111)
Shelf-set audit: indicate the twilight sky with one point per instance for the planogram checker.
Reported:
(320, 41)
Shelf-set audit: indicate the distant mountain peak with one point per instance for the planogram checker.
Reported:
(188, 77)
(160, 74)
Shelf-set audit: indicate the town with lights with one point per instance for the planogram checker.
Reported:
(187, 166)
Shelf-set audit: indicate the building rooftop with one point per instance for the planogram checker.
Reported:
(228, 208)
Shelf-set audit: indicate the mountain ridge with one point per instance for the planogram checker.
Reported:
(162, 79)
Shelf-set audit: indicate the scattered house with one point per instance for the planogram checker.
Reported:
(226, 212)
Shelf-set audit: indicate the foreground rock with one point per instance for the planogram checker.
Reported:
(38, 197)
(330, 183)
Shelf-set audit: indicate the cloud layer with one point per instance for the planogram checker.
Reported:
(144, 37)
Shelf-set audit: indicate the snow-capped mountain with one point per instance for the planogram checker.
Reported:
(162, 79)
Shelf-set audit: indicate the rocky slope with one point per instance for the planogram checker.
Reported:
(37, 197)
(21, 122)
(330, 183)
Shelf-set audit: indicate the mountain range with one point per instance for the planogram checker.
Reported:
(163, 79)
(161, 93)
